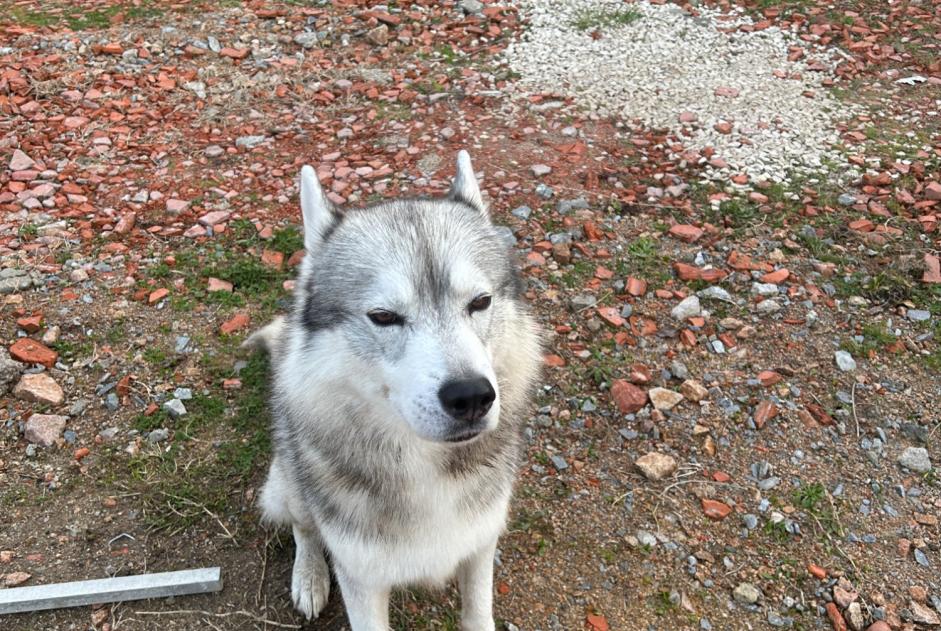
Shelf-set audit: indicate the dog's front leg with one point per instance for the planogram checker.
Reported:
(366, 606)
(475, 580)
(310, 581)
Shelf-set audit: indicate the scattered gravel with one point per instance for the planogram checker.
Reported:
(672, 70)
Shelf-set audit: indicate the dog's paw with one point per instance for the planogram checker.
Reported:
(310, 585)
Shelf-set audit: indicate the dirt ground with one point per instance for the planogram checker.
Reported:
(152, 221)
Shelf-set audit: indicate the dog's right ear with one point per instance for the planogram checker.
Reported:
(318, 212)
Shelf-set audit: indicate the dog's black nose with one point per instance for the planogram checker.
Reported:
(468, 399)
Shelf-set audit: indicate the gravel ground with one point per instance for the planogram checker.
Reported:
(737, 426)
(753, 93)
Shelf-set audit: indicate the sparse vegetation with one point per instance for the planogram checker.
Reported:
(591, 19)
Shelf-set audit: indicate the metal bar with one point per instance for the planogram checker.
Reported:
(109, 590)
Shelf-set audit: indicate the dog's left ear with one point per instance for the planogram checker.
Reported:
(464, 188)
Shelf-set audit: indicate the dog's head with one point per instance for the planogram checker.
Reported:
(413, 293)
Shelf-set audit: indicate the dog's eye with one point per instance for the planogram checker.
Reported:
(479, 303)
(381, 317)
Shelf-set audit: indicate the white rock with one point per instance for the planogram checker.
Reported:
(656, 466)
(844, 361)
(769, 306)
(915, 459)
(541, 169)
(689, 307)
(39, 388)
(175, 408)
(20, 161)
(746, 593)
(664, 399)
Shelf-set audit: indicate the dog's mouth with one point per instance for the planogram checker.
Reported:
(463, 437)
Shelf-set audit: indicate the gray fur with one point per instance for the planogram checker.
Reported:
(345, 466)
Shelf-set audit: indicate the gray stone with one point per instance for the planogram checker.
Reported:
(306, 40)
(565, 206)
(158, 435)
(854, 617)
(746, 593)
(544, 191)
(249, 141)
(112, 402)
(688, 308)
(645, 538)
(9, 370)
(765, 289)
(844, 361)
(183, 394)
(13, 280)
(846, 199)
(77, 408)
(196, 87)
(541, 169)
(915, 459)
(750, 521)
(182, 343)
(715, 293)
(175, 408)
(918, 315)
(213, 151)
(523, 212)
(44, 429)
(679, 369)
(768, 307)
(471, 6)
(559, 462)
(214, 44)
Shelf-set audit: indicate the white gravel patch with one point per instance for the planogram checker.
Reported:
(667, 63)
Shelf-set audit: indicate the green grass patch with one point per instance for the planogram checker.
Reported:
(28, 231)
(78, 18)
(733, 213)
(875, 338)
(809, 496)
(662, 603)
(577, 274)
(287, 241)
(216, 450)
(591, 19)
(644, 259)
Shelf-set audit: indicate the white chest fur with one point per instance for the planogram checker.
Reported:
(442, 534)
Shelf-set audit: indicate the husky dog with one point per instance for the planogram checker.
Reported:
(400, 378)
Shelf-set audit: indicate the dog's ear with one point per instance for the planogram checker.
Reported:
(464, 188)
(318, 212)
